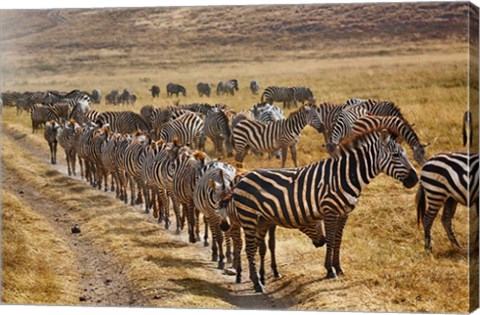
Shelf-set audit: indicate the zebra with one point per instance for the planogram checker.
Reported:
(11, 99)
(217, 128)
(254, 87)
(173, 88)
(303, 94)
(227, 87)
(205, 198)
(186, 168)
(164, 115)
(82, 145)
(66, 140)
(204, 89)
(40, 114)
(96, 96)
(188, 129)
(279, 94)
(403, 127)
(127, 97)
(281, 134)
(134, 158)
(51, 134)
(155, 90)
(266, 113)
(446, 180)
(123, 122)
(343, 125)
(326, 190)
(467, 131)
(113, 98)
(100, 137)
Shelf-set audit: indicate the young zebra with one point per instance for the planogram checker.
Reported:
(173, 88)
(51, 134)
(123, 122)
(217, 128)
(227, 87)
(204, 89)
(188, 129)
(326, 190)
(446, 180)
(281, 134)
(279, 94)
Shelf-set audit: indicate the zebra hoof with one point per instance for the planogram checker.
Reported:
(259, 288)
(214, 257)
(192, 239)
(221, 265)
(238, 279)
(331, 275)
(206, 244)
(277, 275)
(177, 232)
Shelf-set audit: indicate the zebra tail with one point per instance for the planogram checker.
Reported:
(464, 133)
(421, 204)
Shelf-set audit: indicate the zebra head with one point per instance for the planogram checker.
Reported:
(313, 119)
(393, 160)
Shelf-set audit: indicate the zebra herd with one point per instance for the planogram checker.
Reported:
(159, 154)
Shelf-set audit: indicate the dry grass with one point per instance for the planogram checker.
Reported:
(29, 275)
(386, 266)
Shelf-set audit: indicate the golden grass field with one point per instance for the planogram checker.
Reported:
(383, 253)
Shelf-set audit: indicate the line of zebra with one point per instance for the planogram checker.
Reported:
(289, 96)
(316, 199)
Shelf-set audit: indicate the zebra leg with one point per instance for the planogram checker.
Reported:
(428, 219)
(197, 224)
(448, 212)
(228, 245)
(217, 237)
(241, 152)
(176, 209)
(113, 182)
(139, 200)
(132, 190)
(251, 250)
(206, 224)
(293, 152)
(262, 227)
(331, 220)
(69, 163)
(190, 211)
(338, 242)
(55, 152)
(284, 156)
(271, 247)
(237, 251)
(50, 145)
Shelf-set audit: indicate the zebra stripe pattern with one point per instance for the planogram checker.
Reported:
(279, 94)
(327, 190)
(227, 87)
(123, 122)
(446, 180)
(217, 128)
(281, 134)
(66, 140)
(303, 94)
(40, 114)
(51, 134)
(188, 129)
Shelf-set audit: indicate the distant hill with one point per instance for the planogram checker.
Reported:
(158, 36)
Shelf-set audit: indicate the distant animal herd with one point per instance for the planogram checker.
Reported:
(157, 158)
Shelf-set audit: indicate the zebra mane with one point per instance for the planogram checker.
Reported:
(355, 139)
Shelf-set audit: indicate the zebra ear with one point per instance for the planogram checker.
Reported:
(385, 136)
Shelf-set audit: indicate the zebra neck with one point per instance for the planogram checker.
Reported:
(296, 123)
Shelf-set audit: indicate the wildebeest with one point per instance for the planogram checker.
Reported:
(173, 88)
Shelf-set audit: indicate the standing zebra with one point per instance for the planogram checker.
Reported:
(205, 199)
(96, 96)
(173, 88)
(155, 90)
(204, 89)
(446, 180)
(217, 128)
(279, 94)
(66, 140)
(303, 94)
(51, 134)
(254, 87)
(123, 122)
(113, 97)
(281, 134)
(40, 114)
(326, 190)
(188, 129)
(227, 87)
